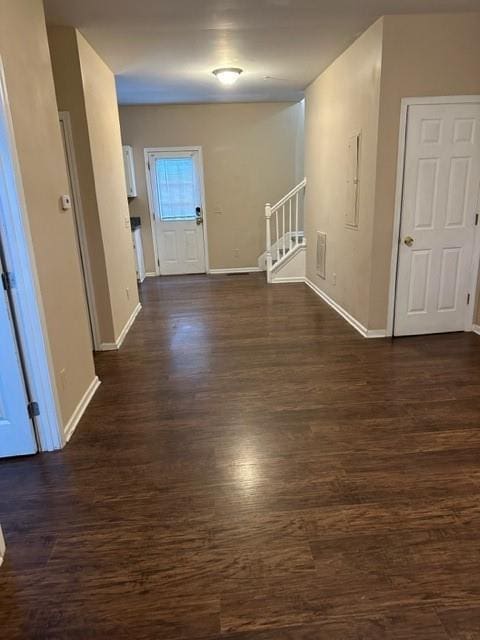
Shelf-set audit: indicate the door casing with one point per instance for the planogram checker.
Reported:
(65, 121)
(26, 293)
(402, 139)
(197, 149)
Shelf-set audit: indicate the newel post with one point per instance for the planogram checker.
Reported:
(268, 235)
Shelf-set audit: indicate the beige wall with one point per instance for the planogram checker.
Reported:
(341, 102)
(107, 161)
(25, 55)
(251, 155)
(86, 88)
(69, 91)
(423, 55)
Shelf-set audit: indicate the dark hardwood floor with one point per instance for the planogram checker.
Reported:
(252, 469)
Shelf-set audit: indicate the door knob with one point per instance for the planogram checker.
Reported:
(198, 215)
(408, 240)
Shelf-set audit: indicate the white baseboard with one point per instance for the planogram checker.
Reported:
(108, 346)
(476, 328)
(80, 409)
(150, 274)
(2, 547)
(236, 270)
(376, 333)
(285, 280)
(113, 346)
(366, 333)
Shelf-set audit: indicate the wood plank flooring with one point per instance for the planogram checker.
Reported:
(252, 469)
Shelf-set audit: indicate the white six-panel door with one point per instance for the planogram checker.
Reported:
(176, 190)
(440, 203)
(16, 429)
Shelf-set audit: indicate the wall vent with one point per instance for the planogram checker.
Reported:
(321, 253)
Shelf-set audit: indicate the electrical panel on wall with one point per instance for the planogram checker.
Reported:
(353, 181)
(321, 254)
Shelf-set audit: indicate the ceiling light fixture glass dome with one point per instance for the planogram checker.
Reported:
(227, 75)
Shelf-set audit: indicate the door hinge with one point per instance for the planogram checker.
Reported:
(476, 219)
(33, 410)
(7, 281)
(149, 165)
(468, 298)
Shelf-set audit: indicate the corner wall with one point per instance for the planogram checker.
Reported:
(69, 92)
(251, 154)
(85, 87)
(101, 109)
(342, 101)
(26, 59)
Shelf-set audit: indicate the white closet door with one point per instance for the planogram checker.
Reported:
(440, 203)
(16, 429)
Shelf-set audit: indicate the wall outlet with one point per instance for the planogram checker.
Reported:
(334, 278)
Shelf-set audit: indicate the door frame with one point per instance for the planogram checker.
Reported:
(72, 169)
(152, 150)
(406, 103)
(28, 303)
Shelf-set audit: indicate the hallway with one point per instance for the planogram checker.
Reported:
(253, 469)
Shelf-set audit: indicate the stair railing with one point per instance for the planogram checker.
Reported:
(284, 226)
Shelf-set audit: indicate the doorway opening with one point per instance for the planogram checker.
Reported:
(436, 248)
(177, 209)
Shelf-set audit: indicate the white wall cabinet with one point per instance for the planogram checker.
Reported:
(138, 251)
(129, 171)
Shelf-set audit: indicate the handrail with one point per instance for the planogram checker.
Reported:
(287, 228)
(289, 195)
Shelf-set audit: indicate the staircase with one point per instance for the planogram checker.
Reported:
(284, 258)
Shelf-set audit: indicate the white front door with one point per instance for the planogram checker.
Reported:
(16, 429)
(176, 189)
(439, 209)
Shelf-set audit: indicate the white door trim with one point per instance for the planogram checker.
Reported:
(26, 292)
(2, 546)
(402, 138)
(152, 150)
(80, 220)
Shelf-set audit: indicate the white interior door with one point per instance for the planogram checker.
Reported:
(16, 429)
(175, 180)
(440, 204)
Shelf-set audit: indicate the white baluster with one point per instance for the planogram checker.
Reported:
(296, 217)
(290, 244)
(268, 215)
(278, 236)
(283, 229)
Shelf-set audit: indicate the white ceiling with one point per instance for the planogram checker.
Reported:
(163, 51)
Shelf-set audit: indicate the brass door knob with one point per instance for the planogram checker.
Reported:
(408, 240)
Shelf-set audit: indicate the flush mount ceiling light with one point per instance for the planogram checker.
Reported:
(227, 75)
